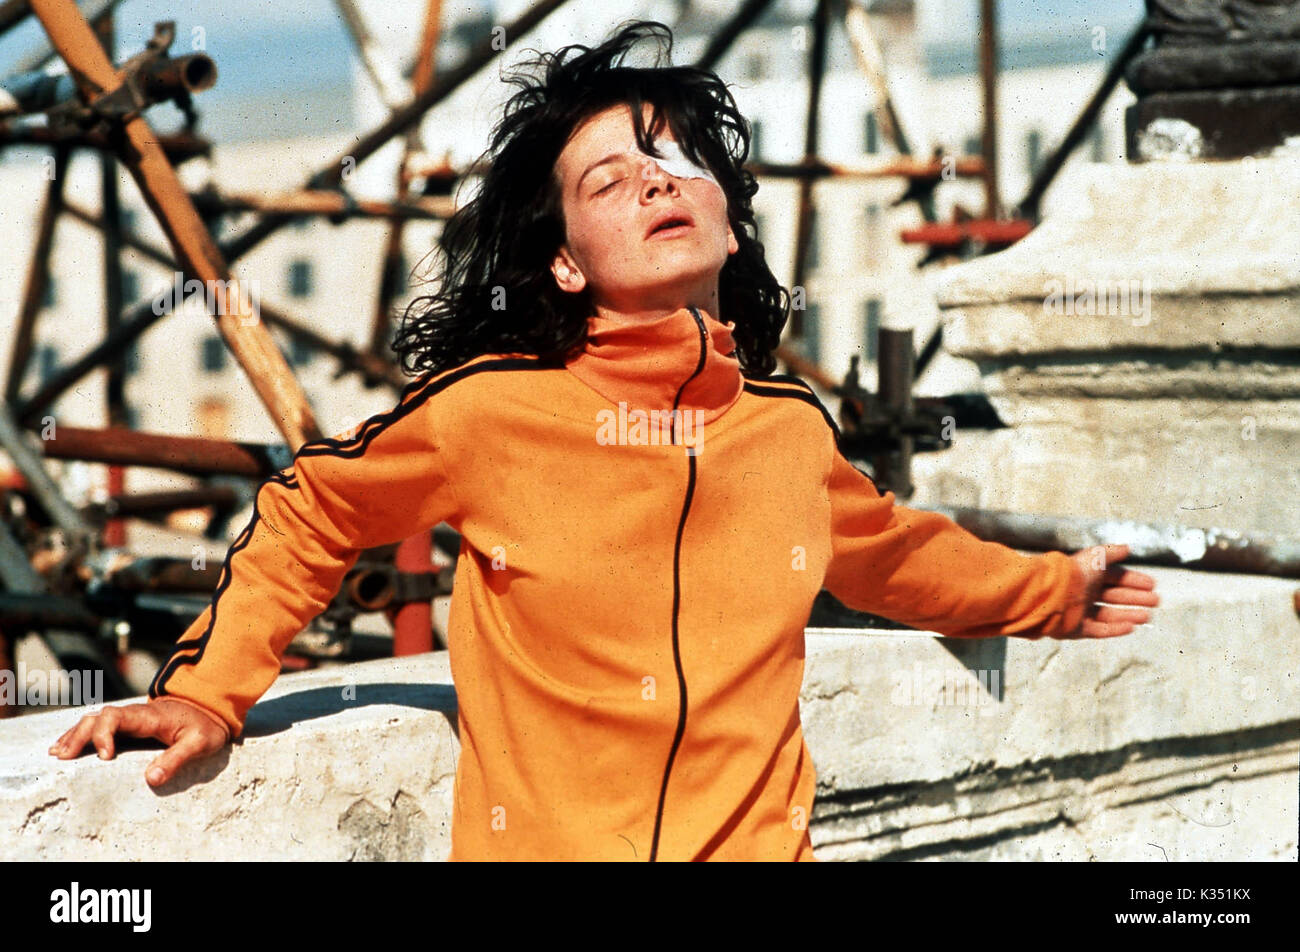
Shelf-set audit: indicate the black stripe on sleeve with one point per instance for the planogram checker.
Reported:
(413, 396)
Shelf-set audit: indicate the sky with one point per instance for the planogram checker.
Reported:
(956, 20)
(288, 64)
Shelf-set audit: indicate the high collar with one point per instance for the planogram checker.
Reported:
(684, 360)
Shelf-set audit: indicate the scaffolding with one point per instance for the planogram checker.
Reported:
(67, 573)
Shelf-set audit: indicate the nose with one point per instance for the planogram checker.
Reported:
(654, 178)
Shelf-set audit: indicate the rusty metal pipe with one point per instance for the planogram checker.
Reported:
(324, 202)
(899, 167)
(413, 623)
(371, 590)
(19, 611)
(160, 81)
(421, 80)
(179, 147)
(111, 218)
(804, 216)
(857, 24)
(164, 574)
(989, 75)
(164, 78)
(163, 502)
(722, 40)
(423, 73)
(894, 366)
(38, 277)
(195, 456)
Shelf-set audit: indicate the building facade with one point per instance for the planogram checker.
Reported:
(182, 379)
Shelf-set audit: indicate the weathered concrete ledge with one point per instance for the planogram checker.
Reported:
(1189, 229)
(1125, 313)
(352, 762)
(1197, 463)
(1184, 735)
(1142, 344)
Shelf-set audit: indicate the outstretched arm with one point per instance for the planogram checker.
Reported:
(380, 483)
(922, 569)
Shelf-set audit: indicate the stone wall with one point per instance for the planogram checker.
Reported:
(1144, 347)
(1178, 741)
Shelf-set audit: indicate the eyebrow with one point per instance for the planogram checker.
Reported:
(612, 157)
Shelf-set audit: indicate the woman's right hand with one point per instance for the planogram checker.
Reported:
(189, 732)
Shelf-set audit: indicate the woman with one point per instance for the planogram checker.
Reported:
(646, 513)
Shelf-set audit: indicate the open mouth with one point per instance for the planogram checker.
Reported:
(671, 226)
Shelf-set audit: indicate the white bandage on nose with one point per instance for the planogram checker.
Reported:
(675, 162)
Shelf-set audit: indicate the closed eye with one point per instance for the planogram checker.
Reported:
(607, 187)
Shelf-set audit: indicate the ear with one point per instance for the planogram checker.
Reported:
(732, 244)
(566, 271)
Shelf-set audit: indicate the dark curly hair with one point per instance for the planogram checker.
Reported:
(507, 236)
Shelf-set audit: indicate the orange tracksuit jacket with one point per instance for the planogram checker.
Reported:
(627, 628)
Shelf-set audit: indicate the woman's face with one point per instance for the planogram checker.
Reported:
(612, 196)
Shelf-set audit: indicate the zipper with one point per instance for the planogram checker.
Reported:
(677, 587)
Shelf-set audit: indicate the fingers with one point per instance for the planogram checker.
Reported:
(186, 737)
(1093, 628)
(1118, 586)
(137, 720)
(1129, 578)
(102, 733)
(72, 741)
(1106, 621)
(190, 744)
(1116, 552)
(1113, 554)
(1124, 595)
(1107, 613)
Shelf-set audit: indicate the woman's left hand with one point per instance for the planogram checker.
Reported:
(1106, 581)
